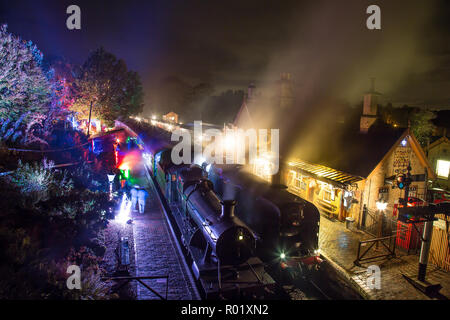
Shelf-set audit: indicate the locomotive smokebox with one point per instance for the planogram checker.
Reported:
(227, 209)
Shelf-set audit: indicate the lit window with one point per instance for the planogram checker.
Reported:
(442, 168)
(327, 195)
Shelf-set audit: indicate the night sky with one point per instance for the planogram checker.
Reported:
(324, 44)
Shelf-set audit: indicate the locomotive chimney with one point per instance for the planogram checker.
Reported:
(277, 180)
(227, 209)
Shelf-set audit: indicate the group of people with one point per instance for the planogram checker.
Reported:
(138, 196)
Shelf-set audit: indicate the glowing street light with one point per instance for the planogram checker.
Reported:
(381, 205)
(111, 179)
(124, 211)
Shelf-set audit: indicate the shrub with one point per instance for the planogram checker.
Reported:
(38, 182)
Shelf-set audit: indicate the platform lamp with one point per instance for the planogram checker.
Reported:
(111, 179)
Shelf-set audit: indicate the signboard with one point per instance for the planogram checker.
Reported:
(402, 157)
(440, 224)
(383, 190)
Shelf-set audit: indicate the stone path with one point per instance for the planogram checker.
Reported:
(339, 245)
(156, 251)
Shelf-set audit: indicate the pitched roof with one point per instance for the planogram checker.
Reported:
(417, 149)
(348, 150)
(352, 156)
(438, 142)
(324, 173)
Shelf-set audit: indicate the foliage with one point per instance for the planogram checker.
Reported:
(418, 119)
(24, 88)
(106, 83)
(174, 94)
(38, 182)
(61, 76)
(19, 133)
(46, 225)
(422, 126)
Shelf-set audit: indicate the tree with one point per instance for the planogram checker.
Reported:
(422, 125)
(61, 75)
(105, 83)
(24, 88)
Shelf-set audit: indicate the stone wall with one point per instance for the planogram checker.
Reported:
(376, 189)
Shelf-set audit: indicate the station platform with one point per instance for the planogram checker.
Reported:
(156, 250)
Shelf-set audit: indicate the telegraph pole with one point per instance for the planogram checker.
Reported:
(89, 124)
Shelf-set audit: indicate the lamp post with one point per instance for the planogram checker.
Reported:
(111, 179)
(381, 206)
(89, 123)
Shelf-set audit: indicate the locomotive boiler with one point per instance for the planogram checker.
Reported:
(228, 240)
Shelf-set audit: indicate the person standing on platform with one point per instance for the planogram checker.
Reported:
(142, 197)
(134, 198)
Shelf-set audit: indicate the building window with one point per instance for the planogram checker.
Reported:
(412, 191)
(442, 169)
(383, 194)
(300, 182)
(328, 194)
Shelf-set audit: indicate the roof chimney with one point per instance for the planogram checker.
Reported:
(370, 106)
(286, 90)
(250, 92)
(277, 178)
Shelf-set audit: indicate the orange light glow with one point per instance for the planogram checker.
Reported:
(130, 160)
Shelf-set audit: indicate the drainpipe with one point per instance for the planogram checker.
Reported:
(341, 206)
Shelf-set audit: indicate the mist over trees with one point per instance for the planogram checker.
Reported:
(195, 102)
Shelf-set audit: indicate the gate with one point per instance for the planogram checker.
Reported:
(377, 224)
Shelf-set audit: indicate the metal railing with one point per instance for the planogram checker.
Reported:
(127, 279)
(378, 224)
(389, 252)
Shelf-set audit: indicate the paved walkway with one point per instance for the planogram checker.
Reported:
(339, 245)
(156, 251)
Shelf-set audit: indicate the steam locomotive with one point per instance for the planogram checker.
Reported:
(219, 247)
(231, 223)
(286, 227)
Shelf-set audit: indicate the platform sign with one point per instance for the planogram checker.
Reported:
(440, 224)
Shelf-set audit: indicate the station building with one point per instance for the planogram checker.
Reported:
(357, 169)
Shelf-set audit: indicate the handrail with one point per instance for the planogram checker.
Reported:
(139, 279)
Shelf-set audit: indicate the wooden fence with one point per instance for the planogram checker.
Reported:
(439, 250)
